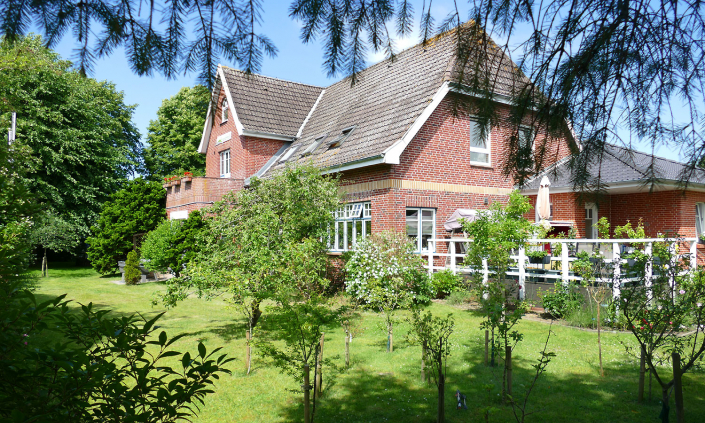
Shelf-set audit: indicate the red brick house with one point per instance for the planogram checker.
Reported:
(406, 161)
(667, 208)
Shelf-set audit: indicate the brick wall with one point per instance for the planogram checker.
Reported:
(198, 193)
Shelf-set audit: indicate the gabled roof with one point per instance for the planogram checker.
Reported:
(620, 167)
(270, 105)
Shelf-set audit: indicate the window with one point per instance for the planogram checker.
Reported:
(289, 153)
(225, 110)
(225, 164)
(479, 145)
(311, 148)
(700, 219)
(590, 221)
(420, 228)
(526, 137)
(345, 133)
(353, 223)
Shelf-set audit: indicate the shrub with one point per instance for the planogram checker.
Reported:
(173, 243)
(445, 282)
(132, 268)
(459, 297)
(562, 301)
(378, 260)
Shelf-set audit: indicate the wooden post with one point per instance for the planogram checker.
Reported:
(347, 350)
(390, 338)
(522, 273)
(678, 386)
(672, 270)
(307, 402)
(423, 362)
(441, 385)
(319, 366)
(617, 271)
(248, 351)
(642, 373)
(430, 262)
(453, 265)
(487, 347)
(564, 263)
(508, 365)
(694, 254)
(648, 271)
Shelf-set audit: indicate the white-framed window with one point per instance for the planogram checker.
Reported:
(526, 137)
(224, 110)
(421, 227)
(479, 145)
(353, 223)
(314, 145)
(700, 219)
(590, 221)
(225, 164)
(536, 212)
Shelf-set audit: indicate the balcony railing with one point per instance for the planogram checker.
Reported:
(559, 268)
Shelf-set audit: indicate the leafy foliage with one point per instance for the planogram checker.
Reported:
(132, 268)
(102, 368)
(138, 208)
(174, 137)
(173, 243)
(75, 134)
(15, 250)
(445, 282)
(260, 241)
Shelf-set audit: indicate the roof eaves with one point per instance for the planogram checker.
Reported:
(368, 161)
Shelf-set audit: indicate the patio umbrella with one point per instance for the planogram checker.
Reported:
(543, 204)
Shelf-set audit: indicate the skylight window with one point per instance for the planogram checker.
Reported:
(345, 133)
(311, 148)
(289, 153)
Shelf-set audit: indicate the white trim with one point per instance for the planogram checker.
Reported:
(498, 98)
(310, 112)
(628, 187)
(224, 118)
(178, 215)
(231, 103)
(203, 146)
(224, 137)
(392, 154)
(488, 144)
(267, 135)
(354, 165)
(591, 233)
(220, 161)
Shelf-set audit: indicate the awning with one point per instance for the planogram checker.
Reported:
(469, 215)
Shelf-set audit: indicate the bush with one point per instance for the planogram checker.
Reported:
(172, 244)
(459, 297)
(445, 282)
(132, 268)
(562, 301)
(381, 258)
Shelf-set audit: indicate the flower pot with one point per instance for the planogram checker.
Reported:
(177, 182)
(186, 179)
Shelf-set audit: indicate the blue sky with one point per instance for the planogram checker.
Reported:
(295, 62)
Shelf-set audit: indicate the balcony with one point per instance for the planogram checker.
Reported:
(196, 193)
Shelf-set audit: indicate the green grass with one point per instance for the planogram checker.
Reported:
(383, 387)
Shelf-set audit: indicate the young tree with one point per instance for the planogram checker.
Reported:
(79, 143)
(433, 333)
(255, 238)
(173, 243)
(53, 233)
(138, 208)
(174, 137)
(495, 235)
(384, 274)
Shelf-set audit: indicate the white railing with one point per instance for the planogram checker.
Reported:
(611, 250)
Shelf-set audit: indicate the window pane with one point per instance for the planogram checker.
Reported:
(426, 245)
(588, 228)
(479, 157)
(427, 214)
(358, 231)
(412, 227)
(427, 228)
(368, 228)
(349, 235)
(475, 139)
(368, 210)
(340, 235)
(411, 212)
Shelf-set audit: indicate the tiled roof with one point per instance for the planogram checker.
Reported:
(270, 105)
(621, 165)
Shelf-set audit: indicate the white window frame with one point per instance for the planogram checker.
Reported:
(532, 137)
(339, 238)
(700, 219)
(419, 234)
(224, 111)
(474, 126)
(224, 163)
(288, 154)
(591, 232)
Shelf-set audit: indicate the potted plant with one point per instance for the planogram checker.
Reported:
(187, 177)
(176, 180)
(536, 256)
(167, 183)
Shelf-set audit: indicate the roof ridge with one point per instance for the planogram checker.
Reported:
(271, 77)
(647, 154)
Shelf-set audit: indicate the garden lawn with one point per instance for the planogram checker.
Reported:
(382, 387)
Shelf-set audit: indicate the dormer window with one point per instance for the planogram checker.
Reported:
(288, 154)
(316, 143)
(338, 141)
(224, 108)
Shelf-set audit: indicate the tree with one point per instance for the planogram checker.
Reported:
(138, 208)
(174, 137)
(53, 233)
(255, 238)
(173, 244)
(60, 364)
(79, 144)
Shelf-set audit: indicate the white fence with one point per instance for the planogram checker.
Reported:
(611, 250)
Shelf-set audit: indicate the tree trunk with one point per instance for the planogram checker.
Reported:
(390, 337)
(307, 402)
(256, 313)
(45, 265)
(642, 373)
(599, 342)
(441, 387)
(665, 409)
(423, 361)
(678, 387)
(347, 350)
(508, 367)
(319, 365)
(487, 347)
(248, 351)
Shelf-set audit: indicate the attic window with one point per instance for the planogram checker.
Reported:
(288, 154)
(316, 143)
(225, 110)
(336, 142)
